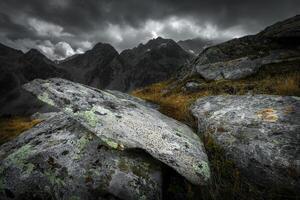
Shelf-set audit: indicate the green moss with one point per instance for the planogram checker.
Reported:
(226, 180)
(224, 167)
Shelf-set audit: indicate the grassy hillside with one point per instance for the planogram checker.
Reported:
(174, 101)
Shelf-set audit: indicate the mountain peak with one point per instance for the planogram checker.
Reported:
(35, 53)
(103, 46)
(158, 41)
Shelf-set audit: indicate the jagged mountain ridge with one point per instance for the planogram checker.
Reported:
(104, 67)
(93, 67)
(155, 61)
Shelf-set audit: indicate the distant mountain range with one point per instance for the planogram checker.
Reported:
(102, 67)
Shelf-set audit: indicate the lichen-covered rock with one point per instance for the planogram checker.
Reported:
(60, 159)
(126, 124)
(126, 96)
(260, 133)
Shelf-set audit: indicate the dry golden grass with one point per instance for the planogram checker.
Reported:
(288, 85)
(175, 103)
(13, 126)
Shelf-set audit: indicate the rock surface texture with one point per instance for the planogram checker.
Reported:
(60, 159)
(243, 57)
(125, 124)
(260, 133)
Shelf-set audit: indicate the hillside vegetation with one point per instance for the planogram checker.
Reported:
(174, 100)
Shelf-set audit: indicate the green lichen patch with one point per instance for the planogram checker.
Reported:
(74, 198)
(141, 170)
(45, 98)
(54, 179)
(203, 169)
(112, 144)
(81, 145)
(83, 141)
(89, 116)
(19, 157)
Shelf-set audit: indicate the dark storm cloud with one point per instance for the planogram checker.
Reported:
(61, 28)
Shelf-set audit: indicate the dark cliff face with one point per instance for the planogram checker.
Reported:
(94, 67)
(155, 61)
(17, 68)
(34, 65)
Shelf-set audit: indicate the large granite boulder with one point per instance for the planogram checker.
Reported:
(60, 159)
(126, 124)
(260, 133)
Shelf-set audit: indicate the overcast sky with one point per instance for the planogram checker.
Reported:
(61, 28)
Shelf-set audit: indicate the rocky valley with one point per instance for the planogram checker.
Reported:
(155, 121)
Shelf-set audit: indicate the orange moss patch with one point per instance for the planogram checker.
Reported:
(268, 115)
(13, 126)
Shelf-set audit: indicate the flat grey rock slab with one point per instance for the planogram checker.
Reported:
(60, 159)
(260, 133)
(242, 67)
(123, 123)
